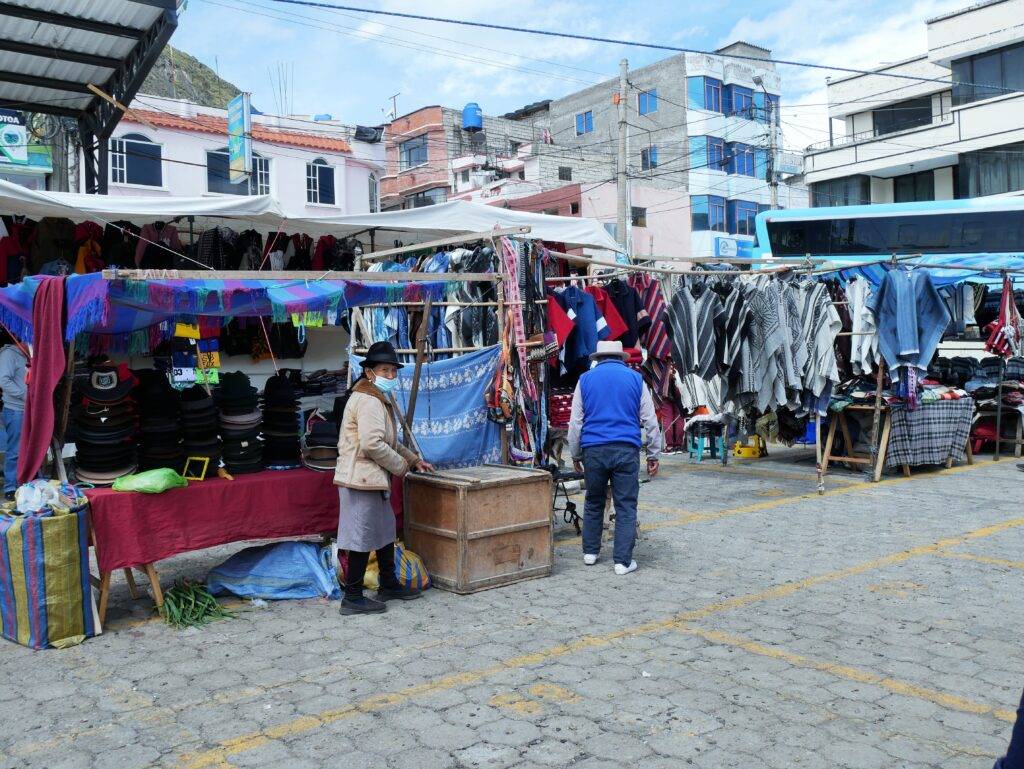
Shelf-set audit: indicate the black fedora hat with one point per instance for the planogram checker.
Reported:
(108, 384)
(235, 384)
(381, 352)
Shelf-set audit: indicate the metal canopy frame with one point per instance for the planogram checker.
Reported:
(95, 121)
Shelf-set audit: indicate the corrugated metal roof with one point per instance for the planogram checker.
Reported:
(50, 50)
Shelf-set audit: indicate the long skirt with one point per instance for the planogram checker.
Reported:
(366, 521)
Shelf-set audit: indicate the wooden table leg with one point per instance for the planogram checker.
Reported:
(132, 587)
(1020, 433)
(154, 583)
(826, 456)
(883, 446)
(970, 451)
(906, 470)
(845, 427)
(104, 595)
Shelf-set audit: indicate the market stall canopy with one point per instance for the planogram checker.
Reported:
(945, 269)
(460, 216)
(255, 210)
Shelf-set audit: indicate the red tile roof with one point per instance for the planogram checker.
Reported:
(217, 125)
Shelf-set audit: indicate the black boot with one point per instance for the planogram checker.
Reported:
(353, 601)
(390, 587)
(361, 605)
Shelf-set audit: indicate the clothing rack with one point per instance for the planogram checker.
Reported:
(376, 256)
(300, 275)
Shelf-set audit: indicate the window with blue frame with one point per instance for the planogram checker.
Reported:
(707, 212)
(704, 93)
(742, 214)
(741, 159)
(739, 101)
(649, 158)
(764, 106)
(716, 154)
(647, 101)
(584, 123)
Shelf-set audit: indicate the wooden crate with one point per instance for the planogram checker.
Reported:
(480, 527)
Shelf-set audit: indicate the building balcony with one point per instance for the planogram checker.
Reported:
(978, 125)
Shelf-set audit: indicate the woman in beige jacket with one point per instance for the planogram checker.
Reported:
(369, 453)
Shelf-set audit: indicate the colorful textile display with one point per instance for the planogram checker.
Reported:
(1007, 331)
(45, 590)
(450, 423)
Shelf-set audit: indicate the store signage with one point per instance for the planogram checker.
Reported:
(731, 247)
(239, 139)
(13, 137)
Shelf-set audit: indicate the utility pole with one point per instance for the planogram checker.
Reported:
(773, 127)
(622, 181)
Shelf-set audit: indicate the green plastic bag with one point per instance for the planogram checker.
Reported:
(151, 481)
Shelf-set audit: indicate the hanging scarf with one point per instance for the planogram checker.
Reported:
(514, 310)
(1006, 331)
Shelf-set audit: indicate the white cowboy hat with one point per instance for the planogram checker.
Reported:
(609, 350)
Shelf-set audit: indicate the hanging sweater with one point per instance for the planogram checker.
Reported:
(911, 318)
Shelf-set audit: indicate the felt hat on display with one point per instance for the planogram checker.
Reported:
(108, 384)
(609, 350)
(321, 453)
(322, 434)
(104, 436)
(98, 465)
(381, 352)
(235, 385)
(246, 418)
(278, 389)
(103, 478)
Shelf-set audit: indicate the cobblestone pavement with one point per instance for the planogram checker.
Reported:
(875, 626)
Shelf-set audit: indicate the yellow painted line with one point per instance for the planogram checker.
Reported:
(246, 742)
(683, 518)
(942, 699)
(984, 559)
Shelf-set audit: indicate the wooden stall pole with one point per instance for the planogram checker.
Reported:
(817, 450)
(507, 428)
(876, 417)
(421, 351)
(999, 409)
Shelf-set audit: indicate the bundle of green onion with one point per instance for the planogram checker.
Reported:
(189, 604)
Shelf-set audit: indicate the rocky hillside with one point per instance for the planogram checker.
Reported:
(177, 75)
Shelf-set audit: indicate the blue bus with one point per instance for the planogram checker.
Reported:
(851, 234)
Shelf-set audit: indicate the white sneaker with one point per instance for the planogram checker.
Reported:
(620, 569)
(589, 559)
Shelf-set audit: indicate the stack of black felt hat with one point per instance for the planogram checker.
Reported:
(159, 407)
(106, 426)
(200, 426)
(240, 421)
(281, 423)
(321, 450)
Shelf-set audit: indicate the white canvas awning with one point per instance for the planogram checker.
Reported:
(260, 211)
(458, 216)
(263, 212)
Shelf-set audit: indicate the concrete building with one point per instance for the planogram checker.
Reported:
(957, 133)
(700, 126)
(431, 158)
(173, 147)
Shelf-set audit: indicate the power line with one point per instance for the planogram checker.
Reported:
(614, 41)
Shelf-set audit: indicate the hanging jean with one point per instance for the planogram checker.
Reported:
(12, 430)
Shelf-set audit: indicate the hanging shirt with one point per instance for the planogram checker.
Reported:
(616, 325)
(631, 309)
(590, 327)
(559, 321)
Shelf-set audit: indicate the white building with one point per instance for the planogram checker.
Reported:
(957, 133)
(173, 147)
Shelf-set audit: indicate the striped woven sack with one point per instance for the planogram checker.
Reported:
(45, 593)
(409, 568)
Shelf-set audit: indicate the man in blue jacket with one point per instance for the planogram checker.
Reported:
(609, 407)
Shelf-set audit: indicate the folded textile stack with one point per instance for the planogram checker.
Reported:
(200, 427)
(240, 421)
(281, 426)
(321, 451)
(159, 407)
(560, 409)
(106, 427)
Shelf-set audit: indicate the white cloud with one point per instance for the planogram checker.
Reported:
(858, 34)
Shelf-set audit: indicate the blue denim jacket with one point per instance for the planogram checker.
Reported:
(911, 318)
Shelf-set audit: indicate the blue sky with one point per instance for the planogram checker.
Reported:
(349, 64)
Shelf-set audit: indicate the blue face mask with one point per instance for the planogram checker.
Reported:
(385, 385)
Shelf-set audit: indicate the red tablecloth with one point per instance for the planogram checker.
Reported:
(133, 528)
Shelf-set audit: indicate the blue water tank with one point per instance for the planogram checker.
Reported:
(472, 117)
